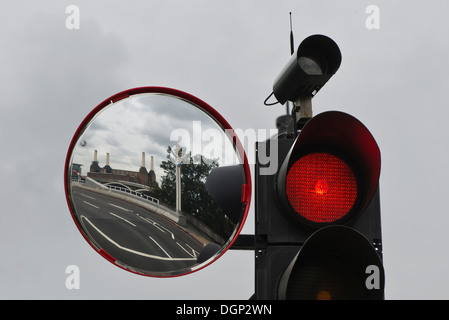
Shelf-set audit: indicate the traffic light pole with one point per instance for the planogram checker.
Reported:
(301, 113)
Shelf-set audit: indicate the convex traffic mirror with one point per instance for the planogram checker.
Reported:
(157, 182)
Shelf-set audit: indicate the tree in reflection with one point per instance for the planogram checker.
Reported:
(195, 200)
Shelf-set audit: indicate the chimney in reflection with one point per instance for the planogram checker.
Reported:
(107, 167)
(94, 167)
(143, 173)
(151, 173)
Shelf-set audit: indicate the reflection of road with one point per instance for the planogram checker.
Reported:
(136, 237)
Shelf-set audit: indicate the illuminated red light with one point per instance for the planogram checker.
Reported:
(321, 187)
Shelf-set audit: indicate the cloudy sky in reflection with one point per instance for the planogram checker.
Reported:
(150, 123)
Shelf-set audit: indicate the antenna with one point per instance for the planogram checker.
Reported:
(292, 50)
(283, 122)
(292, 46)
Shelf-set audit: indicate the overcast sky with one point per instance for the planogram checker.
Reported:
(150, 123)
(227, 53)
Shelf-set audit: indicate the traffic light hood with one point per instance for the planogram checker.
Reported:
(331, 257)
(339, 134)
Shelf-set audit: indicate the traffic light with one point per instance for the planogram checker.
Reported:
(318, 230)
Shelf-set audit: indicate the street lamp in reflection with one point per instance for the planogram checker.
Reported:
(176, 155)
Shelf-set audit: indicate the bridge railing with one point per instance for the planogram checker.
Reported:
(134, 193)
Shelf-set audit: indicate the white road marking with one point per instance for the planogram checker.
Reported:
(172, 235)
(85, 195)
(194, 252)
(115, 215)
(155, 224)
(91, 204)
(193, 255)
(131, 250)
(160, 247)
(116, 206)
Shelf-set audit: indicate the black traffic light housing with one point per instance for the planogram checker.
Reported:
(281, 233)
